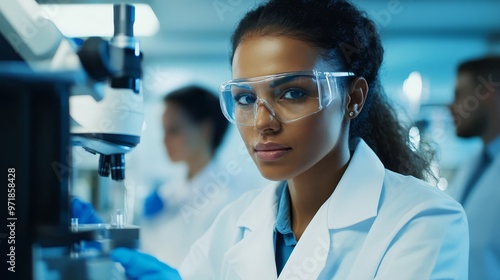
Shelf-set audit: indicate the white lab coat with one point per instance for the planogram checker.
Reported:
(191, 206)
(376, 225)
(483, 212)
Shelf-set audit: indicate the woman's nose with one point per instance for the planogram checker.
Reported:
(265, 118)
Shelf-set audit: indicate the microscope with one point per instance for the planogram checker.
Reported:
(111, 127)
(55, 95)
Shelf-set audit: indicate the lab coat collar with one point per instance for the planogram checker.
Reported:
(266, 203)
(253, 256)
(359, 189)
(355, 199)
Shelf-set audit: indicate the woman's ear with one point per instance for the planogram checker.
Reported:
(356, 97)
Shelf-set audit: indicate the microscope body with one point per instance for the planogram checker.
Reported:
(110, 127)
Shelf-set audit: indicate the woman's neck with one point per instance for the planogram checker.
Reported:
(311, 189)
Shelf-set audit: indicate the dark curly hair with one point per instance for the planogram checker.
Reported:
(200, 105)
(350, 40)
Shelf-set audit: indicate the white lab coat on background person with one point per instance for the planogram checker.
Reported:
(483, 210)
(376, 225)
(191, 207)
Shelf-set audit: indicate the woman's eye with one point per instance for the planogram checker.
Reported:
(293, 94)
(245, 98)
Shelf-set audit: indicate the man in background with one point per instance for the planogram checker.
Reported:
(476, 185)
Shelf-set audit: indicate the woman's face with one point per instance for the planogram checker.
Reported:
(283, 151)
(183, 138)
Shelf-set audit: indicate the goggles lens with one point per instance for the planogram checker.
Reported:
(288, 97)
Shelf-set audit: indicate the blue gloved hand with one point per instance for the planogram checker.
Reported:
(141, 266)
(153, 204)
(84, 211)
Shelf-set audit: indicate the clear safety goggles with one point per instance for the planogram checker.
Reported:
(288, 96)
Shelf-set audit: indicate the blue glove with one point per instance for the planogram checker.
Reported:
(84, 212)
(153, 204)
(140, 266)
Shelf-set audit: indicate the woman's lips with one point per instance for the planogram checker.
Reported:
(270, 151)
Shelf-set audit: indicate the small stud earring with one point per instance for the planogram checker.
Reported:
(351, 114)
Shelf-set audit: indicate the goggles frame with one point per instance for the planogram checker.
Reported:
(319, 75)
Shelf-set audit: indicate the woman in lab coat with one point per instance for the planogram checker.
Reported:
(308, 104)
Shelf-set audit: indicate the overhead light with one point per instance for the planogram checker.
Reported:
(85, 20)
(412, 87)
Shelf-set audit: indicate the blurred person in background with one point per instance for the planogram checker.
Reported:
(476, 185)
(180, 211)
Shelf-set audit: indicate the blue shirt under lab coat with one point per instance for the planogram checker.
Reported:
(284, 238)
